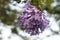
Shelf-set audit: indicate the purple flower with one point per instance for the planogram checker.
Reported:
(32, 20)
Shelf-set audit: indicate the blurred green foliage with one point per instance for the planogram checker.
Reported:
(8, 16)
(42, 3)
(4, 10)
(46, 4)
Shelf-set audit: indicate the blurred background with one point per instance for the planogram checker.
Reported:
(9, 9)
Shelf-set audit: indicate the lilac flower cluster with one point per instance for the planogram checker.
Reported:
(32, 20)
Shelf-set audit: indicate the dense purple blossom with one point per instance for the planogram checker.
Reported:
(32, 20)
